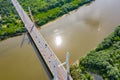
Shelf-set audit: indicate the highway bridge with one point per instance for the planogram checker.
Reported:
(54, 65)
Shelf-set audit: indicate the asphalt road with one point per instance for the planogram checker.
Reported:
(48, 55)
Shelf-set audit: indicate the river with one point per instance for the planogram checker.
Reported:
(76, 32)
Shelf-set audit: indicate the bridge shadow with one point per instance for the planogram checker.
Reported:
(47, 70)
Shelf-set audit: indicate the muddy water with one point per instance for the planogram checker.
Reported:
(81, 30)
(19, 63)
(77, 32)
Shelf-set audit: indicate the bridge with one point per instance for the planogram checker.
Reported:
(53, 63)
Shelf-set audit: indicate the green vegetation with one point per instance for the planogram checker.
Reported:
(104, 60)
(10, 23)
(42, 10)
(78, 72)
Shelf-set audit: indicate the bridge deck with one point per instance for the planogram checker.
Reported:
(46, 52)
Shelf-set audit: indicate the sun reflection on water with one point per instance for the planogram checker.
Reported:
(58, 40)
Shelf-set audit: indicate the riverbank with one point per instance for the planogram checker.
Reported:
(11, 25)
(103, 60)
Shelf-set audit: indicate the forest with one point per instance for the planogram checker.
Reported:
(43, 11)
(103, 60)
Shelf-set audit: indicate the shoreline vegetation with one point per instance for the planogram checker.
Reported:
(43, 12)
(103, 61)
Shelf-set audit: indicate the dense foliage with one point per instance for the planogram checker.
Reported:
(78, 72)
(10, 23)
(105, 59)
(42, 10)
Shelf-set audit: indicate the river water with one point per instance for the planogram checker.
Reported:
(77, 32)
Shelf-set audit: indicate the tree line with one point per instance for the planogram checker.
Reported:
(105, 59)
(43, 11)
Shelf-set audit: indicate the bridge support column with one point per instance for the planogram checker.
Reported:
(67, 65)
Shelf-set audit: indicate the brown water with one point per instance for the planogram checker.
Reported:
(18, 63)
(77, 32)
(83, 29)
